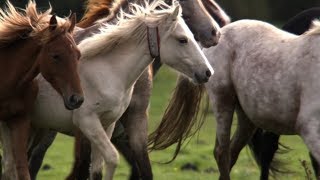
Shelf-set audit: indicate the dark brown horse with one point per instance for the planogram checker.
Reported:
(33, 43)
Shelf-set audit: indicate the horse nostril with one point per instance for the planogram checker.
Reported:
(213, 32)
(208, 73)
(76, 100)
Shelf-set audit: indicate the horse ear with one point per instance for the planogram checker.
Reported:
(175, 13)
(73, 20)
(53, 23)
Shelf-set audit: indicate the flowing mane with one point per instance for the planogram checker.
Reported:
(129, 26)
(15, 25)
(98, 9)
(314, 29)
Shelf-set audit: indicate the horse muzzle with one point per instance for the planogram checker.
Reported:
(202, 77)
(73, 102)
(209, 39)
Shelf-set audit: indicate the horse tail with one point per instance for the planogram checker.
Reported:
(263, 146)
(302, 21)
(179, 118)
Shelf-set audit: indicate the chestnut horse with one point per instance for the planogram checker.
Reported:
(33, 43)
(136, 150)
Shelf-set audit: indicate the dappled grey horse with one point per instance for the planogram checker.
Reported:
(270, 78)
(264, 144)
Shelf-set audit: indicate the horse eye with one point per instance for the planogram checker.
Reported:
(55, 57)
(183, 41)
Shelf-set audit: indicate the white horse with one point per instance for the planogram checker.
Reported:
(111, 62)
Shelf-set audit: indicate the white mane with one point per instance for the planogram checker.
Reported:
(129, 26)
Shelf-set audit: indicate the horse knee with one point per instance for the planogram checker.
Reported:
(96, 176)
(96, 164)
(217, 152)
(9, 174)
(115, 159)
(96, 167)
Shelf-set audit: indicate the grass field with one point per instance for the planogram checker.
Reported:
(198, 151)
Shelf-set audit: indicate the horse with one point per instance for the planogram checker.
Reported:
(268, 87)
(264, 152)
(103, 61)
(135, 151)
(31, 43)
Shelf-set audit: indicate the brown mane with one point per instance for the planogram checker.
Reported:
(98, 9)
(15, 25)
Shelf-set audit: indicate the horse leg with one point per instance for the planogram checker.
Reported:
(223, 103)
(135, 121)
(96, 163)
(268, 149)
(82, 151)
(315, 166)
(308, 128)
(137, 134)
(38, 150)
(93, 130)
(121, 142)
(244, 131)
(9, 170)
(20, 126)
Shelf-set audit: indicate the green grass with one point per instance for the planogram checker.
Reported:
(198, 151)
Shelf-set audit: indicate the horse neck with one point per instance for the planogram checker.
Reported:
(22, 56)
(125, 63)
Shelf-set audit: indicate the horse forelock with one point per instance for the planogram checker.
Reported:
(130, 26)
(45, 35)
(18, 24)
(314, 29)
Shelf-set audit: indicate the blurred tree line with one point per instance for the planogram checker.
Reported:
(60, 7)
(267, 10)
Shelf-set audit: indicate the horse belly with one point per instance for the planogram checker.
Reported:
(275, 113)
(57, 122)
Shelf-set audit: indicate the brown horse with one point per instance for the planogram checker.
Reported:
(33, 43)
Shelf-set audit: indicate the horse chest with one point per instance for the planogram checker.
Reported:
(112, 107)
